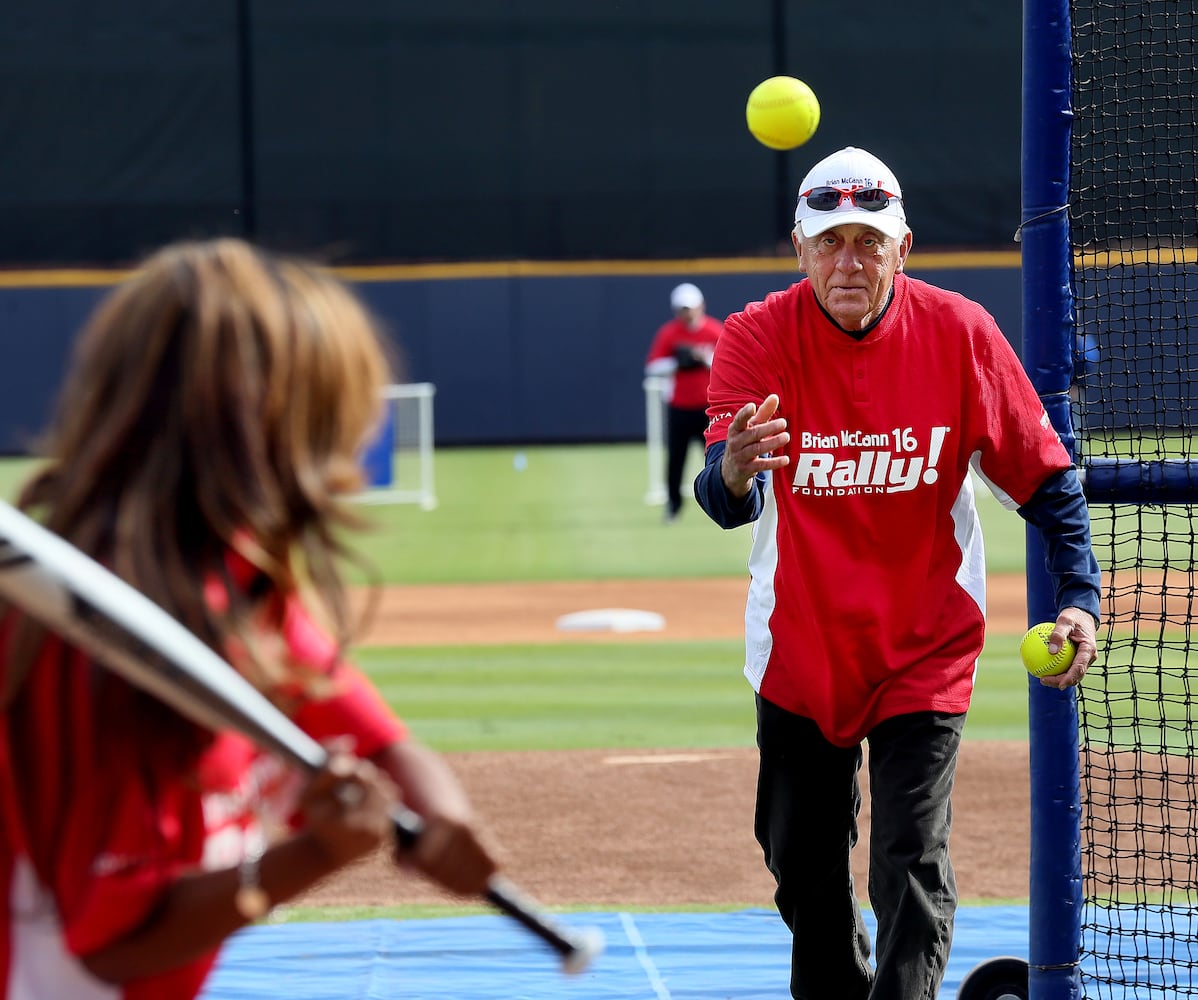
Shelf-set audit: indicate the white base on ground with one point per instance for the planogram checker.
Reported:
(611, 620)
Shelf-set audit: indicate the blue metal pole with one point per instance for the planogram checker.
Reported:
(1055, 889)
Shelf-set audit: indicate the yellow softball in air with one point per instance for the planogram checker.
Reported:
(1033, 650)
(782, 112)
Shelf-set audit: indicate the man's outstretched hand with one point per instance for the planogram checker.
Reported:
(754, 434)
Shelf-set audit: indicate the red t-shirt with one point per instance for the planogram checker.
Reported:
(690, 384)
(131, 826)
(867, 591)
(135, 820)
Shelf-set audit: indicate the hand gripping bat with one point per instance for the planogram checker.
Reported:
(89, 606)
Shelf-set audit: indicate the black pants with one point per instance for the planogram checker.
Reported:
(682, 427)
(808, 798)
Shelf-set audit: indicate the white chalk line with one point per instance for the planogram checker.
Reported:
(642, 956)
(666, 758)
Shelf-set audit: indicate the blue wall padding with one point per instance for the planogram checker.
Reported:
(536, 359)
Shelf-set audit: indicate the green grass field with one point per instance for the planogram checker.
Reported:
(563, 513)
(575, 513)
(620, 695)
(579, 513)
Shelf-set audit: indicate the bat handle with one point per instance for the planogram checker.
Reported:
(577, 948)
(408, 826)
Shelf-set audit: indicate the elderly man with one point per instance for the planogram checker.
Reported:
(845, 414)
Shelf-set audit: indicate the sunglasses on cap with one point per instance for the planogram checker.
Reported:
(828, 199)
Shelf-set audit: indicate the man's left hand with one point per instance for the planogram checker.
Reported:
(1078, 627)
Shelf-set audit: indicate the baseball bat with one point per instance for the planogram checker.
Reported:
(89, 606)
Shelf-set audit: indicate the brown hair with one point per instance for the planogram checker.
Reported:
(217, 400)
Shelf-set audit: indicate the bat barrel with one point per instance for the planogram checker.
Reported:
(577, 948)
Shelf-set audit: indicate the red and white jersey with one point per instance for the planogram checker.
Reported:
(114, 821)
(247, 793)
(125, 821)
(689, 389)
(867, 591)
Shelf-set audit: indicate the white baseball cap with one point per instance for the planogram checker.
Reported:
(686, 296)
(851, 169)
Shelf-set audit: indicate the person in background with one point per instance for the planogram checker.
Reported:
(682, 350)
(847, 412)
(204, 446)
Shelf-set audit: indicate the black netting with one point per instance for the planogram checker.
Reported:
(1134, 235)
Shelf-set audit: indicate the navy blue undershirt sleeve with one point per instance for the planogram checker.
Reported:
(721, 506)
(1058, 509)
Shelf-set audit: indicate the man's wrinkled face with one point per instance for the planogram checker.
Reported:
(852, 269)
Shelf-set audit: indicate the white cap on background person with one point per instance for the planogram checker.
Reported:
(851, 169)
(686, 296)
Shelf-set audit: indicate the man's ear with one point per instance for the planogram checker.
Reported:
(904, 249)
(797, 241)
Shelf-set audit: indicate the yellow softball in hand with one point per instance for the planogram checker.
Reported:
(1033, 650)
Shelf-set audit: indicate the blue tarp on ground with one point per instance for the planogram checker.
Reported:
(742, 955)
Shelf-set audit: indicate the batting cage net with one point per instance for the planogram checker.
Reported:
(1133, 233)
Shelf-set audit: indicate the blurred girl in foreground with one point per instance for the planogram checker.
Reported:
(205, 441)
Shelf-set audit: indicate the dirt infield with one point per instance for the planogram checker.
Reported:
(662, 827)
(527, 612)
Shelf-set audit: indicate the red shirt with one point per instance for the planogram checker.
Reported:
(867, 591)
(690, 384)
(118, 823)
(133, 819)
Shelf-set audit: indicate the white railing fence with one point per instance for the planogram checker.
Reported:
(399, 461)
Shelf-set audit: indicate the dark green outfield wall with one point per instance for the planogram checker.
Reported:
(448, 142)
(397, 130)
